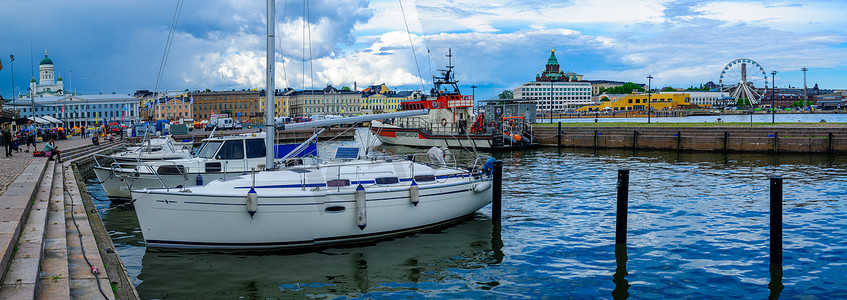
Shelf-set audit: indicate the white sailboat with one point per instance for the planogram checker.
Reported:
(315, 203)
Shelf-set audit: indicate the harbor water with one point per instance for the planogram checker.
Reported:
(698, 228)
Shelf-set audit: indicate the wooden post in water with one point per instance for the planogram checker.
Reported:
(635, 139)
(496, 206)
(678, 140)
(623, 202)
(830, 143)
(559, 136)
(776, 221)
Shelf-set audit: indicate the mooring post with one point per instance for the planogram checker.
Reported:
(498, 187)
(559, 136)
(776, 221)
(623, 202)
(635, 139)
(595, 139)
(830, 143)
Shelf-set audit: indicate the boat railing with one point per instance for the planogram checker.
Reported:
(446, 127)
(119, 170)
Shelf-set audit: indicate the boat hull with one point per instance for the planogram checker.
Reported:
(301, 219)
(417, 138)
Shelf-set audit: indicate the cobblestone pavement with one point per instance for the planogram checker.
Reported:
(11, 167)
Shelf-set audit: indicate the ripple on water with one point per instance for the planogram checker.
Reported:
(698, 228)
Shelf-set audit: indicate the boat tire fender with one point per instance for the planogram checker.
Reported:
(252, 202)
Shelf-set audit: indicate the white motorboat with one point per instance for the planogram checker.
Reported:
(217, 157)
(311, 205)
(161, 148)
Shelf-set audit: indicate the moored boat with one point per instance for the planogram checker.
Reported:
(451, 122)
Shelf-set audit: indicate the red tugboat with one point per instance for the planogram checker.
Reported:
(450, 112)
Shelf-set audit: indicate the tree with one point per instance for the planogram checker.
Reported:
(345, 88)
(605, 99)
(507, 94)
(626, 88)
(742, 102)
(668, 89)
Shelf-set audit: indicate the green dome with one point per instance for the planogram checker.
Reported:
(60, 78)
(550, 61)
(32, 80)
(46, 61)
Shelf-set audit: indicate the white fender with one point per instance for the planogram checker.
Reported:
(361, 210)
(252, 202)
(482, 186)
(414, 194)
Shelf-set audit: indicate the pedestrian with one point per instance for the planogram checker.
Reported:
(51, 148)
(6, 136)
(30, 136)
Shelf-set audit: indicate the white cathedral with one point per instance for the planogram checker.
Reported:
(48, 84)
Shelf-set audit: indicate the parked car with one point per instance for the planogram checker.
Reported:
(237, 126)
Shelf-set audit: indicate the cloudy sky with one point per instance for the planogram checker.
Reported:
(117, 46)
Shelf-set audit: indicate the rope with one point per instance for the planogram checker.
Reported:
(93, 269)
(409, 33)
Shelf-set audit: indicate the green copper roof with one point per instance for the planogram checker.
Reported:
(32, 80)
(46, 61)
(550, 61)
(60, 78)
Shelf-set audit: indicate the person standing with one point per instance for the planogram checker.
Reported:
(6, 134)
(30, 136)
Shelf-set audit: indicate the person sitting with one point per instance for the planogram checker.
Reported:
(51, 148)
(95, 140)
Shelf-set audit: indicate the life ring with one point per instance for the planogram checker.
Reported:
(443, 122)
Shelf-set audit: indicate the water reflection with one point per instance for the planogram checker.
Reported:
(419, 262)
(621, 290)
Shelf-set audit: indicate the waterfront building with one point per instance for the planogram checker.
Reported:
(238, 104)
(78, 110)
(281, 101)
(554, 89)
(174, 107)
(326, 101)
(704, 99)
(48, 84)
(639, 101)
(836, 100)
(380, 99)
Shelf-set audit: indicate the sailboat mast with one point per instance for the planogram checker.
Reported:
(269, 91)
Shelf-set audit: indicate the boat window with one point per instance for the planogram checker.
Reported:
(232, 150)
(171, 170)
(387, 180)
(424, 178)
(209, 149)
(255, 148)
(338, 182)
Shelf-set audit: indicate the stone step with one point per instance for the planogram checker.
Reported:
(15, 204)
(53, 281)
(20, 280)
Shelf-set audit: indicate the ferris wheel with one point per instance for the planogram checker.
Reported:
(741, 77)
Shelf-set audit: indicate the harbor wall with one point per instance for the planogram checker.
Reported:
(730, 139)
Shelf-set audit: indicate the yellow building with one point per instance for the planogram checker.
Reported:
(640, 102)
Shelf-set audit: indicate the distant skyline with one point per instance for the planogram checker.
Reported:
(115, 46)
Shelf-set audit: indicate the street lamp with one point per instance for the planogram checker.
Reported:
(12, 57)
(649, 93)
(773, 98)
(805, 93)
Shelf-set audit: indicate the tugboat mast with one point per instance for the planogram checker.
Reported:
(446, 79)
